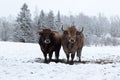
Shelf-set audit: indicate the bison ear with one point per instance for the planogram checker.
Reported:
(78, 33)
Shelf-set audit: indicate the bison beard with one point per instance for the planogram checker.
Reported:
(70, 46)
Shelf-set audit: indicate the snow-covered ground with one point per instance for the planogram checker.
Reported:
(24, 61)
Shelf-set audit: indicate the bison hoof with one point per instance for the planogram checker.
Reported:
(67, 62)
(46, 61)
(57, 61)
(80, 61)
(71, 63)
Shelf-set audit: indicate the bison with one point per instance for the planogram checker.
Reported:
(72, 41)
(50, 41)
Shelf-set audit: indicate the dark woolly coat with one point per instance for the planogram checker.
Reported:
(77, 45)
(54, 45)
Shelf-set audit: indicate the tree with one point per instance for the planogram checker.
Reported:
(50, 20)
(115, 26)
(5, 30)
(42, 20)
(102, 25)
(24, 30)
(36, 17)
(58, 21)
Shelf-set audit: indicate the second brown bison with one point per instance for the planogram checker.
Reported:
(72, 41)
(50, 41)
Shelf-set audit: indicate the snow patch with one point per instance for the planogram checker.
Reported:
(24, 61)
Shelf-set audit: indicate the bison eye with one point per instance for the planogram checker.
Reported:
(65, 32)
(77, 33)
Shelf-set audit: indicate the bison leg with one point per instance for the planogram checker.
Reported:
(50, 56)
(45, 56)
(72, 57)
(57, 55)
(79, 54)
(67, 55)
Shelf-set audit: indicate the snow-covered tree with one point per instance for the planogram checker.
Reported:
(36, 17)
(24, 30)
(102, 25)
(58, 21)
(50, 20)
(6, 28)
(42, 20)
(115, 26)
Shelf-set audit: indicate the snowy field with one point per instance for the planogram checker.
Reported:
(24, 61)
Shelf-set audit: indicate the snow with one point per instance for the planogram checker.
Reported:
(24, 61)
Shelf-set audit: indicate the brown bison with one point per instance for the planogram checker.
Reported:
(72, 41)
(50, 41)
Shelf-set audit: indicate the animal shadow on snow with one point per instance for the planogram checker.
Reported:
(98, 61)
(40, 60)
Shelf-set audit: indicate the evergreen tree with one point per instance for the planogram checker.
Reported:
(24, 30)
(5, 30)
(58, 17)
(36, 17)
(115, 26)
(42, 20)
(58, 22)
(50, 20)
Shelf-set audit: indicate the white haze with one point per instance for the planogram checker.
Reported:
(66, 7)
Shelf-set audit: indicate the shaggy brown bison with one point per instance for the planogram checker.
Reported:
(50, 41)
(72, 41)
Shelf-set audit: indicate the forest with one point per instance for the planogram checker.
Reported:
(98, 30)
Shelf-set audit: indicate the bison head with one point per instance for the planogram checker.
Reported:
(71, 33)
(46, 36)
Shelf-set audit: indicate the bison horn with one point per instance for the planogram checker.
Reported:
(62, 28)
(82, 30)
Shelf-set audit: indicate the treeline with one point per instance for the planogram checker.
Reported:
(98, 30)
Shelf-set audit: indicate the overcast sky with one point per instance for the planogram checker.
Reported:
(66, 7)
